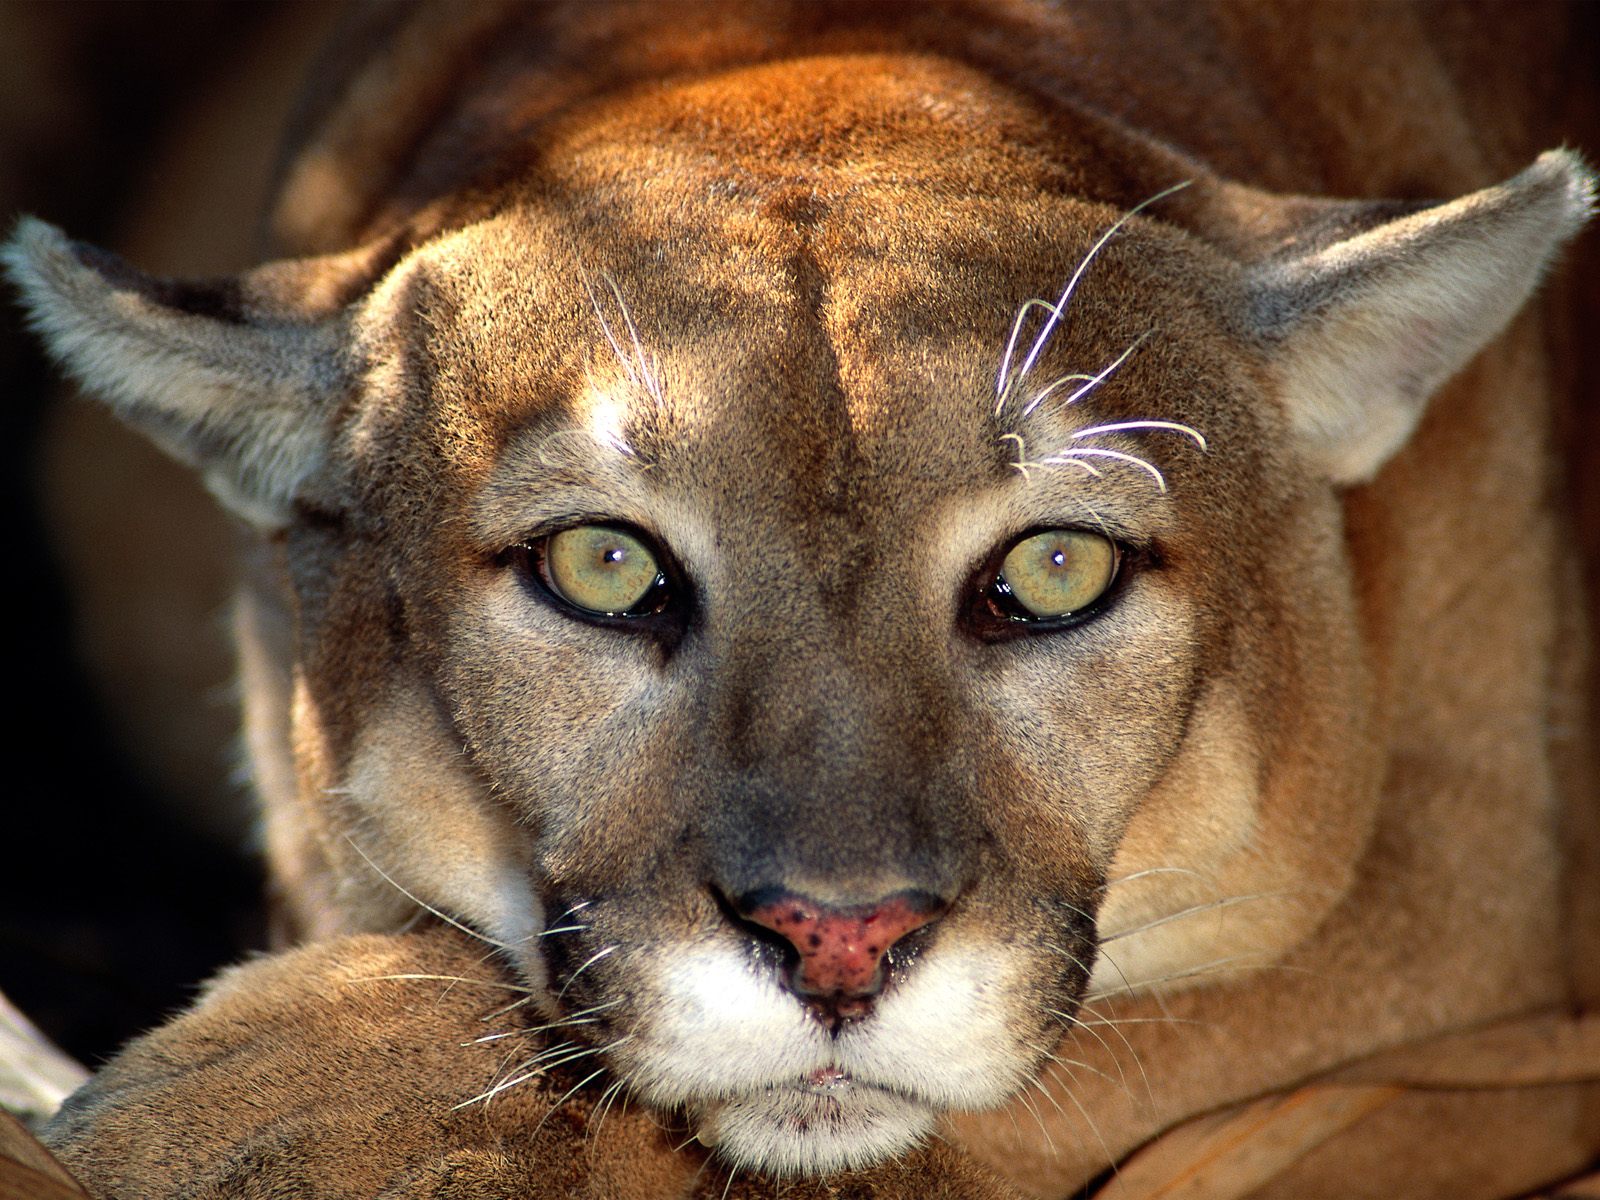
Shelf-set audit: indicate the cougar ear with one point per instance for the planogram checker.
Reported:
(1385, 308)
(234, 376)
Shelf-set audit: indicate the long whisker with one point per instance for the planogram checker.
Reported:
(1087, 974)
(1192, 910)
(1033, 1111)
(605, 328)
(1079, 452)
(1081, 965)
(389, 879)
(513, 1006)
(1038, 1085)
(1088, 383)
(1131, 876)
(1109, 1021)
(1093, 1127)
(1003, 380)
(1137, 1061)
(583, 1016)
(603, 1109)
(1068, 1122)
(539, 1064)
(570, 1093)
(1233, 962)
(1072, 284)
(1112, 1054)
(1126, 426)
(496, 1089)
(1024, 467)
(645, 369)
(589, 962)
(1069, 1063)
(450, 979)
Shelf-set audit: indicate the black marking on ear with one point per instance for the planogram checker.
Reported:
(216, 299)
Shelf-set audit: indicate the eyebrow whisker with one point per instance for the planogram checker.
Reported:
(1125, 426)
(1089, 382)
(605, 328)
(646, 368)
(1058, 310)
(1002, 384)
(1080, 452)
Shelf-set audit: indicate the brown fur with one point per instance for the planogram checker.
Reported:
(358, 1061)
(1295, 788)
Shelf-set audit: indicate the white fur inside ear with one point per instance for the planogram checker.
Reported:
(240, 397)
(1364, 331)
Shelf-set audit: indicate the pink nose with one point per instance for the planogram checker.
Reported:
(841, 949)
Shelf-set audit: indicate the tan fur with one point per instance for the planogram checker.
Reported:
(756, 279)
(364, 1062)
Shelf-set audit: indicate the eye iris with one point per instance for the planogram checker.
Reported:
(599, 569)
(1059, 572)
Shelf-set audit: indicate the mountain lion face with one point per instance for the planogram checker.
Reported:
(826, 607)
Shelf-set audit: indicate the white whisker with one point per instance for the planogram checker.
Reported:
(1003, 380)
(603, 1109)
(1059, 308)
(1105, 1021)
(1081, 452)
(646, 372)
(589, 962)
(575, 1088)
(1089, 383)
(1033, 1111)
(1056, 461)
(1093, 1127)
(514, 1005)
(1071, 1020)
(1192, 910)
(473, 933)
(1132, 875)
(1068, 1063)
(581, 1017)
(543, 1064)
(521, 1073)
(450, 979)
(1235, 962)
(1129, 426)
(605, 328)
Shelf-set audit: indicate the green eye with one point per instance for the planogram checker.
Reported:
(604, 571)
(1056, 573)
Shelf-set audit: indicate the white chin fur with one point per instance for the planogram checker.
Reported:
(793, 1131)
(727, 1043)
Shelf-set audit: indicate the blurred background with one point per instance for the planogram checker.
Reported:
(123, 884)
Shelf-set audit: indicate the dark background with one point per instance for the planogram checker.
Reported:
(112, 906)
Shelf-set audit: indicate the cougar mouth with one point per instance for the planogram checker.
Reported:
(826, 1080)
(719, 1026)
(827, 1120)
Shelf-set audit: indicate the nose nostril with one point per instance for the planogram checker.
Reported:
(840, 949)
